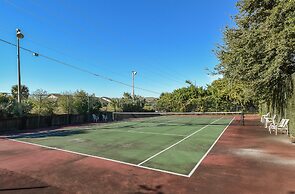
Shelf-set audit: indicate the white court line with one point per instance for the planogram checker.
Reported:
(121, 162)
(204, 156)
(144, 132)
(176, 143)
(98, 157)
(96, 129)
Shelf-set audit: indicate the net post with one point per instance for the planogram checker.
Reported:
(242, 118)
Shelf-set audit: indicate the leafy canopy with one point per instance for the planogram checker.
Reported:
(260, 50)
(221, 95)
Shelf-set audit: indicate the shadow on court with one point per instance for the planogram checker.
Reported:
(58, 133)
(161, 125)
(150, 189)
(23, 188)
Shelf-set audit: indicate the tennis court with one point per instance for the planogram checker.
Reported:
(174, 144)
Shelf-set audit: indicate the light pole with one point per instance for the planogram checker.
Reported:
(133, 75)
(19, 36)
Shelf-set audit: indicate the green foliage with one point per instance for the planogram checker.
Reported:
(65, 104)
(6, 105)
(128, 104)
(259, 51)
(9, 107)
(41, 104)
(25, 106)
(115, 104)
(80, 102)
(24, 92)
(221, 95)
(291, 112)
(94, 104)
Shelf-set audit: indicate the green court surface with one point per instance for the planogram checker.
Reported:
(172, 144)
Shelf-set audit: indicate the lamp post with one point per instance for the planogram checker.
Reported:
(19, 36)
(133, 75)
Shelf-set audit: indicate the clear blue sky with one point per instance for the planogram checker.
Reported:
(166, 41)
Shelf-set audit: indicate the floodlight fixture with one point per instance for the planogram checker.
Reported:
(19, 35)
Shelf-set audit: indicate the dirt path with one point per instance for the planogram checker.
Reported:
(245, 160)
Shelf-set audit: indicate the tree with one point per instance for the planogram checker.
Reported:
(94, 104)
(9, 107)
(186, 99)
(165, 103)
(23, 108)
(259, 51)
(115, 104)
(6, 105)
(65, 103)
(128, 104)
(231, 94)
(80, 102)
(24, 91)
(221, 95)
(84, 103)
(41, 104)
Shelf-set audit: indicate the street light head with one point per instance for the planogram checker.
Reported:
(134, 72)
(19, 35)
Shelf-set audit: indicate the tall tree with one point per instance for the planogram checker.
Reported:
(65, 103)
(221, 95)
(24, 92)
(80, 102)
(6, 105)
(260, 50)
(129, 104)
(41, 104)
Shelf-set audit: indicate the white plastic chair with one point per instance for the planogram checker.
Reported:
(95, 118)
(282, 126)
(273, 126)
(268, 120)
(262, 120)
(104, 118)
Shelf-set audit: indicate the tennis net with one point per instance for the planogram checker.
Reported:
(119, 116)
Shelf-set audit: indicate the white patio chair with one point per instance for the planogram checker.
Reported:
(273, 126)
(104, 118)
(95, 118)
(268, 120)
(262, 120)
(282, 126)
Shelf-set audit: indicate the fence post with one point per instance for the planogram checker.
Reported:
(68, 109)
(39, 110)
(243, 118)
(88, 111)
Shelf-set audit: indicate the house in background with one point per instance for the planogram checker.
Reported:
(54, 96)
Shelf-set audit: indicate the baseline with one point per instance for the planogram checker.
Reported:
(99, 157)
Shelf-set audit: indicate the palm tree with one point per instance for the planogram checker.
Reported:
(24, 92)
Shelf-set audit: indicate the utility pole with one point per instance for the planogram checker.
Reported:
(133, 75)
(19, 36)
